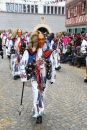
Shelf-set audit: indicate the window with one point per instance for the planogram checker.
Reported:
(7, 6)
(32, 8)
(48, 9)
(56, 10)
(16, 7)
(68, 13)
(24, 8)
(36, 8)
(11, 7)
(69, 30)
(83, 29)
(75, 30)
(28, 8)
(62, 10)
(83, 7)
(59, 10)
(51, 9)
(44, 9)
(75, 11)
(20, 7)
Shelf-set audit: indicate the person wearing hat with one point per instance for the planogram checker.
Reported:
(9, 43)
(79, 57)
(78, 40)
(37, 65)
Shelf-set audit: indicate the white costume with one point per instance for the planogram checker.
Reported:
(83, 46)
(38, 106)
(56, 54)
(15, 59)
(9, 44)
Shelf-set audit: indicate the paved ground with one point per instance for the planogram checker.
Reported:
(65, 101)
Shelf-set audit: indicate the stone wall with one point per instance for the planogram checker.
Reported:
(27, 22)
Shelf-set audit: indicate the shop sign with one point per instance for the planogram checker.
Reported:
(77, 20)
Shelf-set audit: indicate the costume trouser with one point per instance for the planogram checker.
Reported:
(15, 65)
(38, 106)
(67, 59)
(56, 58)
(53, 74)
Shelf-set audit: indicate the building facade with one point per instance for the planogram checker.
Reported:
(76, 16)
(48, 13)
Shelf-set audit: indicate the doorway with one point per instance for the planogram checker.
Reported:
(43, 30)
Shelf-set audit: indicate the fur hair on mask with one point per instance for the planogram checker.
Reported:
(33, 41)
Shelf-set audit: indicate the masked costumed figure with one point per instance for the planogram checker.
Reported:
(59, 49)
(55, 51)
(36, 64)
(16, 53)
(9, 43)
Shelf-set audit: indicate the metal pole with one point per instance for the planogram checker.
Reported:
(22, 94)
(21, 107)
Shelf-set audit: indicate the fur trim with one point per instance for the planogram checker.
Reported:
(33, 41)
(14, 34)
(58, 34)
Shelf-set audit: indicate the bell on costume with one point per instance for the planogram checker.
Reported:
(33, 66)
(12, 50)
(28, 76)
(48, 61)
(48, 65)
(48, 76)
(29, 69)
(33, 60)
(26, 68)
(54, 46)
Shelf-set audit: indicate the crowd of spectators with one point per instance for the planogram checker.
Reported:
(73, 47)
(75, 50)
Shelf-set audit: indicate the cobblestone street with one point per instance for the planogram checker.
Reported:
(65, 101)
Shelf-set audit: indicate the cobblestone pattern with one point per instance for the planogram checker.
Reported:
(65, 101)
(27, 22)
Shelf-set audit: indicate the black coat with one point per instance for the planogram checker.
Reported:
(0, 44)
(78, 42)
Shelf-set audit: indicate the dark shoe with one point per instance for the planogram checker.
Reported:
(15, 77)
(39, 120)
(2, 56)
(75, 64)
(85, 80)
(58, 68)
(71, 63)
(78, 66)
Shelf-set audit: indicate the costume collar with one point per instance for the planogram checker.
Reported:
(30, 51)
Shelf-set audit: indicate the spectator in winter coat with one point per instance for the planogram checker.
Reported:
(79, 57)
(0, 43)
(78, 40)
(1, 50)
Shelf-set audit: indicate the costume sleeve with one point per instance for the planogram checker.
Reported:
(7, 43)
(52, 42)
(10, 45)
(24, 60)
(23, 63)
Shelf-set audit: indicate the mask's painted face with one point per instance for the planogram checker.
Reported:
(19, 32)
(41, 40)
